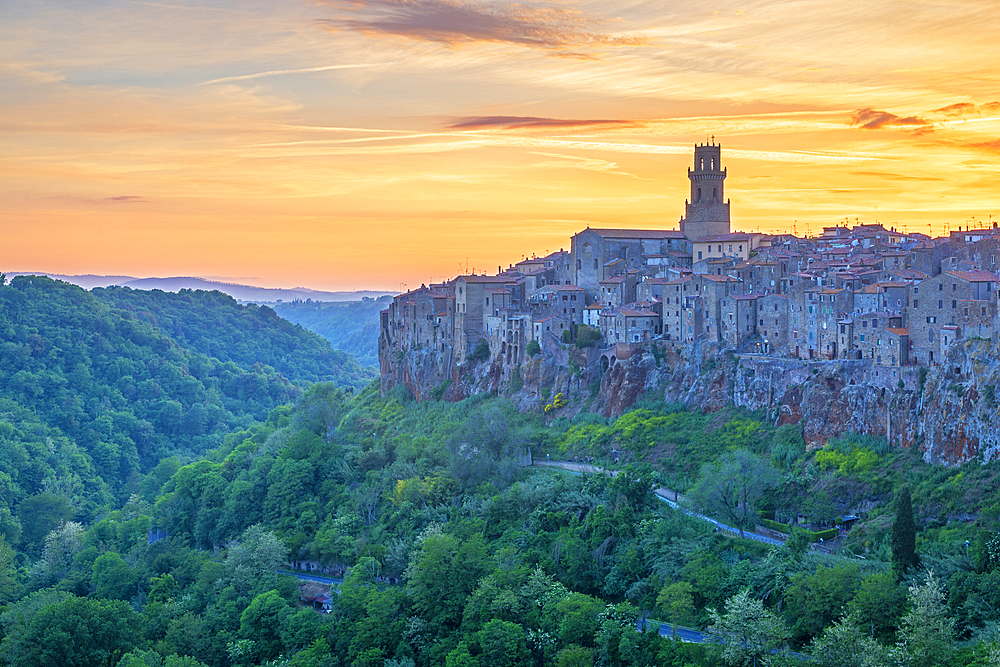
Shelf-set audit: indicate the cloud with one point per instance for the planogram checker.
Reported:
(960, 109)
(992, 146)
(127, 199)
(871, 119)
(884, 175)
(552, 27)
(511, 122)
(278, 72)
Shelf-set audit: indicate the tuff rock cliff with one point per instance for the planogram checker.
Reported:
(950, 413)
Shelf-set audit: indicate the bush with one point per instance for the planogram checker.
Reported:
(587, 336)
(533, 348)
(482, 351)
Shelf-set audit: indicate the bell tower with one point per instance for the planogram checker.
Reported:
(707, 212)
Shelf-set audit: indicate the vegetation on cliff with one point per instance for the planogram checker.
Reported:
(456, 554)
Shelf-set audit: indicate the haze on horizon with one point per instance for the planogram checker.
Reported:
(368, 144)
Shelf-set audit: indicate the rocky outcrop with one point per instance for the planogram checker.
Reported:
(950, 413)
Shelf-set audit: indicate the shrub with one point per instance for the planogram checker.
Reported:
(482, 351)
(587, 336)
(533, 348)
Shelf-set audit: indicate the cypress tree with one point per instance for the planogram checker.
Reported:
(904, 534)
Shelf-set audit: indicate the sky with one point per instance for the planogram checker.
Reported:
(381, 144)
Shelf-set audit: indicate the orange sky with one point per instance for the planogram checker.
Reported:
(375, 143)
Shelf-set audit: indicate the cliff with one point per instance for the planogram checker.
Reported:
(949, 412)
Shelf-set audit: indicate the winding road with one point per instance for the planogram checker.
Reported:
(668, 496)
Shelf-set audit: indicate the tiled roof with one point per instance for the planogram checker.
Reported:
(975, 276)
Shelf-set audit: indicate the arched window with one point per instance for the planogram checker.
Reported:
(712, 164)
(699, 196)
(715, 194)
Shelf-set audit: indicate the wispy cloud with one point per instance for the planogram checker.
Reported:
(127, 199)
(589, 164)
(966, 109)
(278, 72)
(551, 26)
(872, 119)
(511, 122)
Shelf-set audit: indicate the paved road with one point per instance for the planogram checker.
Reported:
(303, 576)
(666, 495)
(684, 634)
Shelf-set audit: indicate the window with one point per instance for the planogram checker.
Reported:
(862, 338)
(954, 286)
(916, 303)
(940, 304)
(579, 264)
(916, 290)
(699, 254)
(954, 304)
(595, 263)
(966, 312)
(940, 286)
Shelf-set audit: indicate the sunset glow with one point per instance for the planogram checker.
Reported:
(372, 144)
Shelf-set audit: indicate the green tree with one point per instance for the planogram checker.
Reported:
(677, 600)
(574, 619)
(532, 348)
(262, 623)
(112, 578)
(732, 487)
(443, 574)
(9, 584)
(814, 600)
(80, 632)
(904, 535)
(745, 630)
(575, 656)
(878, 606)
(251, 563)
(503, 644)
(928, 630)
(843, 644)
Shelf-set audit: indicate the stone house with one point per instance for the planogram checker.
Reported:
(938, 312)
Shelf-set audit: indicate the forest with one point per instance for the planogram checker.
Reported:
(351, 326)
(447, 548)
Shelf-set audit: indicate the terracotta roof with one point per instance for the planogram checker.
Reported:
(898, 332)
(975, 276)
(628, 312)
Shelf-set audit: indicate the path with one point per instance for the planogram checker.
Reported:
(303, 576)
(668, 496)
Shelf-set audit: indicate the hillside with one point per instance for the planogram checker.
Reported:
(453, 553)
(97, 388)
(350, 326)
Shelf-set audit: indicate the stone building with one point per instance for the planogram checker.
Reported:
(470, 299)
(938, 312)
(706, 214)
(592, 249)
(772, 322)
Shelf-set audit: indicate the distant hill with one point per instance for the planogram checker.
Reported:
(97, 387)
(352, 327)
(245, 293)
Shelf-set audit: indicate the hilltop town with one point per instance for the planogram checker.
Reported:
(896, 300)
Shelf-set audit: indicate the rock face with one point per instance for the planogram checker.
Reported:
(951, 413)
